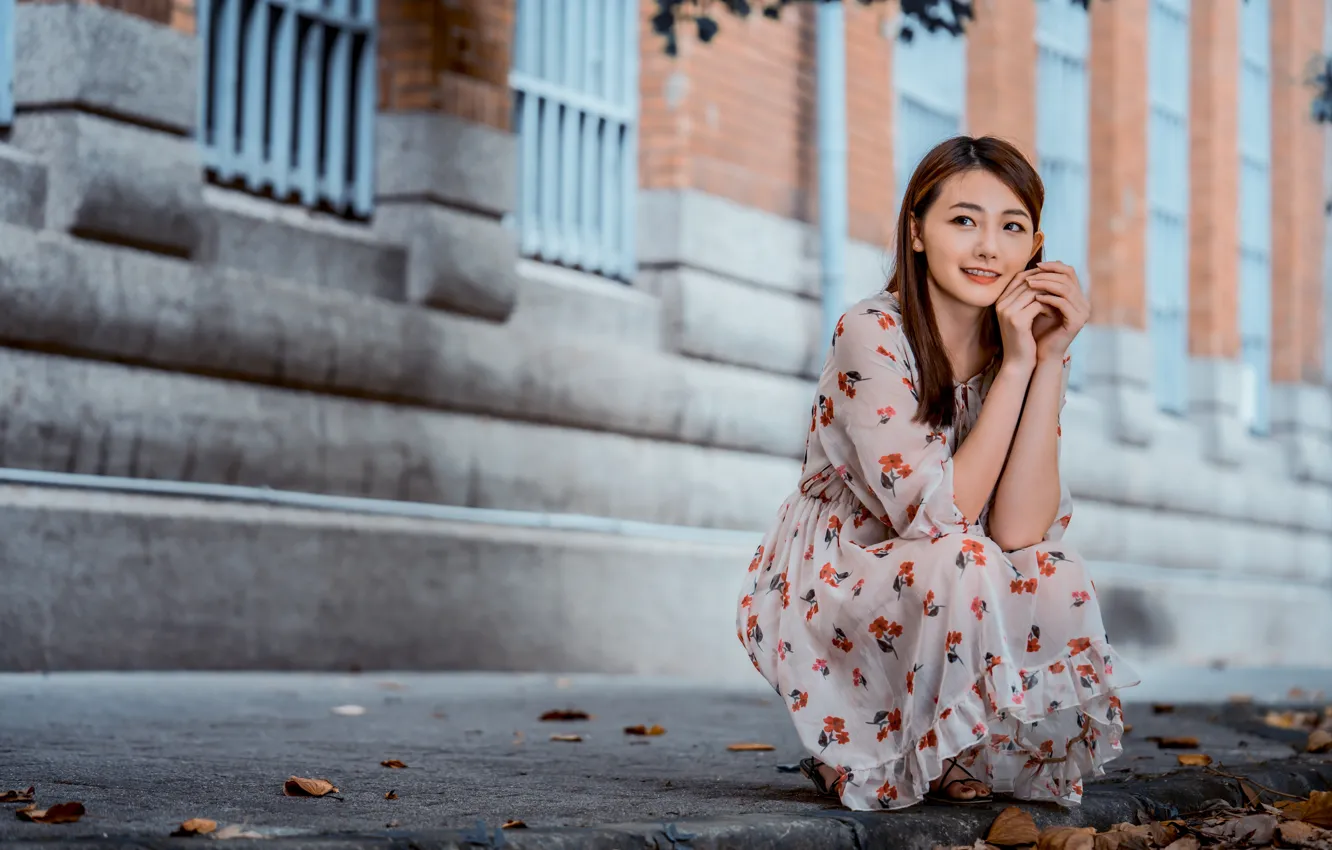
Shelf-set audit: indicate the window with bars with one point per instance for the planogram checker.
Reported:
(930, 75)
(1062, 151)
(1168, 199)
(1255, 202)
(7, 47)
(288, 99)
(575, 87)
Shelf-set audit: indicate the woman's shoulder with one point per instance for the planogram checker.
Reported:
(876, 316)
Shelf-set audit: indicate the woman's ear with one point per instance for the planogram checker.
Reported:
(1037, 243)
(916, 245)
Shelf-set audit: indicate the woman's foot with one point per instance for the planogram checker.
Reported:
(956, 783)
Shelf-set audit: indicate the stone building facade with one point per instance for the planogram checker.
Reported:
(244, 429)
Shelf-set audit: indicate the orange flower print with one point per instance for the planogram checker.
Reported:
(979, 730)
(911, 511)
(992, 661)
(855, 591)
(893, 471)
(1047, 561)
(931, 739)
(841, 326)
(831, 576)
(752, 629)
(783, 647)
(951, 644)
(758, 559)
(863, 515)
(813, 603)
(846, 382)
(887, 792)
(887, 721)
(946, 713)
(799, 699)
(884, 633)
(834, 731)
(979, 608)
(1029, 679)
(746, 601)
(1057, 667)
(931, 610)
(1065, 520)
(885, 321)
(1019, 586)
(809, 552)
(911, 385)
(834, 529)
(1088, 675)
(858, 679)
(1077, 645)
(886, 353)
(841, 641)
(886, 414)
(820, 666)
(911, 678)
(1080, 598)
(1034, 639)
(973, 552)
(825, 411)
(905, 577)
(1047, 749)
(936, 436)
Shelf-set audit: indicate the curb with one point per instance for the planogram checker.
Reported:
(920, 828)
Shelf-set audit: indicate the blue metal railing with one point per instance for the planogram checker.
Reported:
(575, 88)
(288, 98)
(7, 47)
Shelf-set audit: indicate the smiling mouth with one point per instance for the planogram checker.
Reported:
(981, 276)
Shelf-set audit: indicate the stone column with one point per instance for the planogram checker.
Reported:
(1119, 350)
(1301, 408)
(1215, 372)
(1001, 72)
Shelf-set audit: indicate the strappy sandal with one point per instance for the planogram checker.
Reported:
(941, 795)
(810, 767)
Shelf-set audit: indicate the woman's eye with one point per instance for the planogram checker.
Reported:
(963, 219)
(1017, 228)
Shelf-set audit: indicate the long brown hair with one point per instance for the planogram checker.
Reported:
(909, 282)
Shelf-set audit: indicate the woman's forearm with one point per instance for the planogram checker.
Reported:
(1027, 498)
(978, 462)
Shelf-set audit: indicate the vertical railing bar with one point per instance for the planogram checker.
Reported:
(225, 92)
(253, 163)
(283, 100)
(570, 149)
(336, 117)
(363, 181)
(589, 207)
(203, 11)
(307, 132)
(7, 48)
(629, 164)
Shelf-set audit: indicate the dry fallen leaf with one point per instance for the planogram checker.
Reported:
(1124, 836)
(1067, 838)
(1320, 741)
(1188, 842)
(1181, 743)
(750, 748)
(514, 824)
(566, 714)
(299, 786)
(393, 763)
(18, 796)
(1251, 829)
(195, 826)
(349, 710)
(1316, 810)
(644, 730)
(1300, 834)
(392, 795)
(1128, 727)
(235, 830)
(571, 739)
(1164, 832)
(1251, 795)
(1194, 759)
(59, 813)
(1013, 828)
(1291, 719)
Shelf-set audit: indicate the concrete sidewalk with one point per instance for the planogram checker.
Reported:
(144, 752)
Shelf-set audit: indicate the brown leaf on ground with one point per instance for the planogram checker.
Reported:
(750, 748)
(645, 730)
(18, 796)
(393, 763)
(392, 795)
(1297, 833)
(568, 739)
(1316, 810)
(1013, 828)
(1132, 837)
(1162, 708)
(59, 813)
(1128, 727)
(1188, 842)
(195, 826)
(1164, 832)
(1291, 719)
(561, 714)
(235, 830)
(1320, 741)
(1194, 759)
(1186, 742)
(1255, 830)
(514, 824)
(1067, 838)
(299, 786)
(1251, 795)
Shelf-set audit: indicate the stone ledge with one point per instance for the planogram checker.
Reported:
(555, 301)
(431, 156)
(77, 55)
(22, 188)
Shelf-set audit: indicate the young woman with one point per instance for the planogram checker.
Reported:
(913, 603)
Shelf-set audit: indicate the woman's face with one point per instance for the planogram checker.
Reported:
(975, 237)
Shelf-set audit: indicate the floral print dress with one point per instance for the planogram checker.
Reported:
(897, 634)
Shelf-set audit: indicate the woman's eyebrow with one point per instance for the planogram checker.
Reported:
(967, 205)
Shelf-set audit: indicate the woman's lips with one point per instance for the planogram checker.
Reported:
(983, 280)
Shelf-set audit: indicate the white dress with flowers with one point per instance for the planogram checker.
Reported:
(898, 634)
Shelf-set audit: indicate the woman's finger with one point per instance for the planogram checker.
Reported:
(1055, 283)
(1016, 300)
(1016, 282)
(1070, 312)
